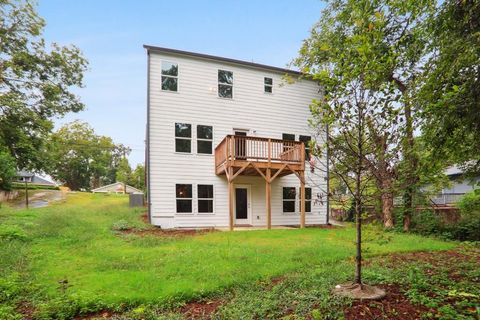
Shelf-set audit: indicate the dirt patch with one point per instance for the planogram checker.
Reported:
(145, 218)
(200, 310)
(395, 306)
(171, 233)
(26, 310)
(98, 315)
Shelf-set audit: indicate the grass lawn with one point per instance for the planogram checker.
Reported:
(66, 259)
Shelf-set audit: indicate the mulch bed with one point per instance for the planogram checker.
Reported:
(394, 306)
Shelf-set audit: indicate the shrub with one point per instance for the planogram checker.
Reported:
(467, 228)
(10, 233)
(121, 225)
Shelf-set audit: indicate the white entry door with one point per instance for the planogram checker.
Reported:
(243, 213)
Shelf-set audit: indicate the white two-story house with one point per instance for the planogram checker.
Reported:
(227, 144)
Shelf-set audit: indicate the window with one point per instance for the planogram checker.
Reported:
(306, 141)
(289, 195)
(225, 84)
(308, 199)
(183, 137)
(205, 198)
(287, 145)
(268, 85)
(204, 139)
(184, 198)
(169, 76)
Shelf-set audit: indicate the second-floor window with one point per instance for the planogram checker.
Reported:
(306, 141)
(225, 84)
(268, 85)
(183, 137)
(204, 139)
(169, 76)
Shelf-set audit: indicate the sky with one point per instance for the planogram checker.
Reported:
(111, 35)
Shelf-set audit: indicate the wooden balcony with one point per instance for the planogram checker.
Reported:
(258, 154)
(265, 157)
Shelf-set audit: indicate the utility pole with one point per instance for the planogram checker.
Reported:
(26, 194)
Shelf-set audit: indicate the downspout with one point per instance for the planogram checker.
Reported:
(147, 142)
(328, 176)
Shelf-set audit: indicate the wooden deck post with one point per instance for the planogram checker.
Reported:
(268, 198)
(230, 199)
(302, 199)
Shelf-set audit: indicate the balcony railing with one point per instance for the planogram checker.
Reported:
(259, 149)
(446, 198)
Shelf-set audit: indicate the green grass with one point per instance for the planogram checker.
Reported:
(74, 241)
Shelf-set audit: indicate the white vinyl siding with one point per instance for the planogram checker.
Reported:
(197, 103)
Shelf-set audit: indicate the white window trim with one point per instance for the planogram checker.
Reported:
(213, 200)
(191, 199)
(297, 197)
(182, 138)
(202, 139)
(291, 200)
(225, 84)
(267, 85)
(170, 76)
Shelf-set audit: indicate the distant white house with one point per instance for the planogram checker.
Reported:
(458, 186)
(228, 143)
(32, 178)
(117, 187)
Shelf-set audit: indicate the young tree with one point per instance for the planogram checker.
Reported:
(35, 83)
(82, 159)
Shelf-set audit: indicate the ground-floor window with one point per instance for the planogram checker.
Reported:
(205, 198)
(308, 199)
(184, 198)
(289, 196)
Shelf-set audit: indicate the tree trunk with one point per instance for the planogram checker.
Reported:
(387, 204)
(358, 258)
(412, 167)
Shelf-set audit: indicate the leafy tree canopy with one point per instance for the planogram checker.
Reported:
(82, 159)
(36, 83)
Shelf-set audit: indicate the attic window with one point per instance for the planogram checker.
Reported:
(169, 76)
(268, 85)
(225, 84)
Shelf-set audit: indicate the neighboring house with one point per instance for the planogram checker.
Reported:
(117, 187)
(226, 143)
(457, 188)
(24, 176)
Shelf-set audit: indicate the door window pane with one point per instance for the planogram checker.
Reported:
(306, 141)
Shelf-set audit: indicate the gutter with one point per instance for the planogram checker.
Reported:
(147, 148)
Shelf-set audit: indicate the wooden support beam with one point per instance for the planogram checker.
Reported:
(259, 171)
(240, 170)
(230, 200)
(278, 172)
(226, 168)
(302, 199)
(268, 199)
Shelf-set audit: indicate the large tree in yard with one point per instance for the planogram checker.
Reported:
(450, 96)
(386, 39)
(35, 83)
(83, 159)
